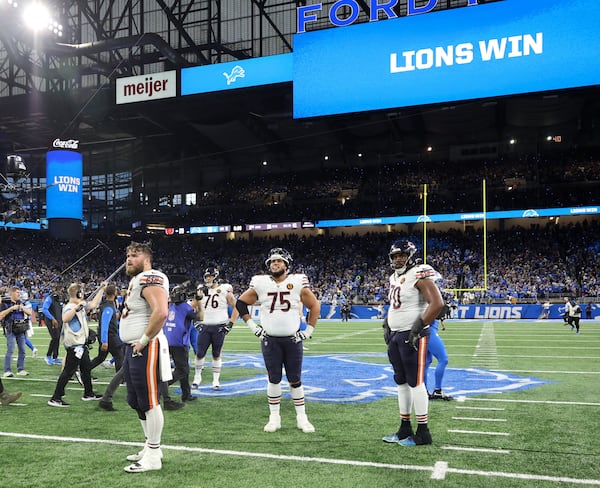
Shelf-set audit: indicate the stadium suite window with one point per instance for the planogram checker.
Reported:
(190, 199)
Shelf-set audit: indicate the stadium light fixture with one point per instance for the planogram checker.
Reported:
(37, 17)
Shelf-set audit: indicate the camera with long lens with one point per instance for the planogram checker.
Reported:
(182, 293)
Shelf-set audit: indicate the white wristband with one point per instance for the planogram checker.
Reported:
(309, 330)
(144, 340)
(251, 324)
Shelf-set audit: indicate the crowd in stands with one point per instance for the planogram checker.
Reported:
(531, 264)
(397, 189)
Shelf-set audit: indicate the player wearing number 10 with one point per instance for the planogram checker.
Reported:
(281, 296)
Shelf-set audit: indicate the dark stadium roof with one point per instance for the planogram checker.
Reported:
(239, 129)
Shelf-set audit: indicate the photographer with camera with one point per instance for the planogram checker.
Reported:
(185, 306)
(15, 322)
(75, 336)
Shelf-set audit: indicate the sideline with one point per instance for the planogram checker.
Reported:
(438, 472)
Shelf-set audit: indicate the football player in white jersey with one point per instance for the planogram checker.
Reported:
(281, 296)
(415, 302)
(144, 313)
(215, 326)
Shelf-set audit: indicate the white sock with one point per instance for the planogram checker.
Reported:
(421, 400)
(298, 398)
(154, 426)
(274, 397)
(200, 366)
(216, 370)
(405, 399)
(143, 422)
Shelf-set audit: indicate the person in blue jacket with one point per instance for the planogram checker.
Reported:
(181, 316)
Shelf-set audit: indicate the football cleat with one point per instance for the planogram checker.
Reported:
(274, 424)
(150, 461)
(139, 455)
(391, 439)
(408, 442)
(304, 425)
(438, 395)
(422, 436)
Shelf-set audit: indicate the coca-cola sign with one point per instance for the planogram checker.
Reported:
(69, 144)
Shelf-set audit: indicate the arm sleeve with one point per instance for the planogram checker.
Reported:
(46, 308)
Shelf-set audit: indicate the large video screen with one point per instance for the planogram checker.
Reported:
(488, 50)
(64, 191)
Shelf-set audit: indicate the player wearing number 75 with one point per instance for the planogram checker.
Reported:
(281, 296)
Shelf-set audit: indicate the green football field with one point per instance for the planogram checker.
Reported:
(527, 414)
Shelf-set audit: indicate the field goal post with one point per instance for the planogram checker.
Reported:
(424, 219)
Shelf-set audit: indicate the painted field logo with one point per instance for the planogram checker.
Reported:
(345, 378)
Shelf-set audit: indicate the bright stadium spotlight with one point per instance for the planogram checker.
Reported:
(37, 17)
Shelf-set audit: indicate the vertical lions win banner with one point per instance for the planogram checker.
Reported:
(64, 191)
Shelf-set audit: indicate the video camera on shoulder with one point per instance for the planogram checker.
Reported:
(182, 293)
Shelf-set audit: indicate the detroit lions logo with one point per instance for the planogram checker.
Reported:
(236, 72)
(345, 378)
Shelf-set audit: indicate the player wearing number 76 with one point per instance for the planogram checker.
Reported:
(281, 296)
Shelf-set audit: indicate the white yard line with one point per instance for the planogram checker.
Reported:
(478, 432)
(478, 419)
(439, 471)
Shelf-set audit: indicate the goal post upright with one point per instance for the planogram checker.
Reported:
(484, 222)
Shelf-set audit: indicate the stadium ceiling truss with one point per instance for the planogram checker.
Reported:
(104, 40)
(64, 87)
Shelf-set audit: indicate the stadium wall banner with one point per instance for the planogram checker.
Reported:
(464, 312)
(64, 190)
(495, 49)
(242, 73)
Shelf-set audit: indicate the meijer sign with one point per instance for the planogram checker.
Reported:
(141, 88)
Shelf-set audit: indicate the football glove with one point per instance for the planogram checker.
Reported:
(257, 330)
(302, 335)
(198, 325)
(387, 332)
(415, 333)
(227, 327)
